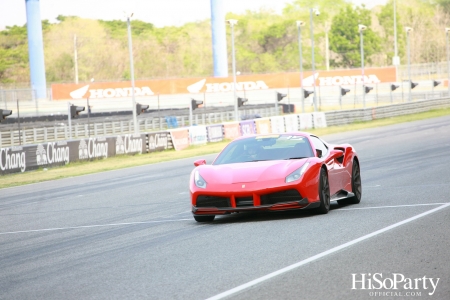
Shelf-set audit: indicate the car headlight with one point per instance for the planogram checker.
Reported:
(199, 181)
(297, 173)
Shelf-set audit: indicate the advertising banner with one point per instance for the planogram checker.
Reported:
(215, 133)
(306, 121)
(17, 159)
(263, 126)
(180, 139)
(197, 135)
(92, 148)
(232, 130)
(131, 144)
(158, 141)
(291, 122)
(277, 124)
(247, 128)
(320, 120)
(121, 89)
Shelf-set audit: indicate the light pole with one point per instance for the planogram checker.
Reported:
(447, 29)
(408, 30)
(233, 22)
(133, 100)
(395, 59)
(317, 13)
(327, 47)
(299, 31)
(75, 57)
(361, 28)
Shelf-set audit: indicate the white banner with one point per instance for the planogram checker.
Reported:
(198, 135)
(277, 124)
(291, 122)
(306, 121)
(320, 121)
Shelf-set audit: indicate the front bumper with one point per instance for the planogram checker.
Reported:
(281, 206)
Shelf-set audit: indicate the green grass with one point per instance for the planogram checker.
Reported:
(123, 161)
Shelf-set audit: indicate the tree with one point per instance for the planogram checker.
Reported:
(345, 37)
(14, 54)
(386, 19)
(445, 4)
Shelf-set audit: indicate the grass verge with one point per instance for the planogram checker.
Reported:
(120, 162)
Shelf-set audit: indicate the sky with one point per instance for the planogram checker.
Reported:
(159, 12)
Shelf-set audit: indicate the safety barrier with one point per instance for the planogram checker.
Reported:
(59, 130)
(47, 154)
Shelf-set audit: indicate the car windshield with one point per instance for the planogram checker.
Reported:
(261, 148)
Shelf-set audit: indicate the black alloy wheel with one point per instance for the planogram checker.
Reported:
(204, 218)
(324, 193)
(356, 184)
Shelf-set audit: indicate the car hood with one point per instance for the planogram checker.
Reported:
(249, 171)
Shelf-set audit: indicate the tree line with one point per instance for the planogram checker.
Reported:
(265, 42)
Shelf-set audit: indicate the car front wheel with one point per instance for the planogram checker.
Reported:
(204, 218)
(324, 193)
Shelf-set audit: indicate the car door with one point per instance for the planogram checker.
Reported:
(333, 167)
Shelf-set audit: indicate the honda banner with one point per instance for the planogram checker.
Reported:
(122, 89)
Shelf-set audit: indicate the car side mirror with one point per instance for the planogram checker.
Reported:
(199, 162)
(319, 153)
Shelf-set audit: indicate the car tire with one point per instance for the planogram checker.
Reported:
(356, 184)
(204, 218)
(324, 193)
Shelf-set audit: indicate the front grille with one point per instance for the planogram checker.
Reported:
(285, 196)
(212, 201)
(244, 201)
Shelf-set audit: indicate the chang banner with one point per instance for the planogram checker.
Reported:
(53, 153)
(158, 141)
(92, 148)
(13, 160)
(131, 144)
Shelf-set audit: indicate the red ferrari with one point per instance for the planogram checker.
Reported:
(275, 173)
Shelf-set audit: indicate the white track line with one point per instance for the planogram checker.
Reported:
(389, 206)
(323, 254)
(92, 226)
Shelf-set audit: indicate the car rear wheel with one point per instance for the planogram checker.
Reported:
(204, 218)
(324, 193)
(356, 186)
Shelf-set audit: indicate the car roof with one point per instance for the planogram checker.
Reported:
(298, 133)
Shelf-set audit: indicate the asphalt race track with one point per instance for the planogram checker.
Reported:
(129, 234)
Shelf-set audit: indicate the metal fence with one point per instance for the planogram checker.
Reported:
(35, 133)
(15, 137)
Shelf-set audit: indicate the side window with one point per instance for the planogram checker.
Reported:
(318, 144)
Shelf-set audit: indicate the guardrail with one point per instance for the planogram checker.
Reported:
(81, 129)
(342, 117)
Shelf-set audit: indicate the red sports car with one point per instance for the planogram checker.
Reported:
(275, 172)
